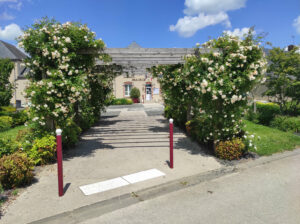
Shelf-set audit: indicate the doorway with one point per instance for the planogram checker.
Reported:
(148, 92)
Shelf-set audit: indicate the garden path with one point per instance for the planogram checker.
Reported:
(128, 139)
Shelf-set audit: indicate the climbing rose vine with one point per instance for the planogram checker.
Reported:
(63, 88)
(209, 90)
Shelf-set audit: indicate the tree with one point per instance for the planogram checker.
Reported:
(283, 81)
(6, 88)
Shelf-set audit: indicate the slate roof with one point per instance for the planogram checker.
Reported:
(10, 51)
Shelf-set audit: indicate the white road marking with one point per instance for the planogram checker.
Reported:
(144, 175)
(103, 186)
(120, 181)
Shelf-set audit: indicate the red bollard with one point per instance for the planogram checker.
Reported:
(59, 163)
(171, 143)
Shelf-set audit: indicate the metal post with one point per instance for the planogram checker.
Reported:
(59, 163)
(171, 143)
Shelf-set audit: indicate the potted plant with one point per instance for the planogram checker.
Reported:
(135, 95)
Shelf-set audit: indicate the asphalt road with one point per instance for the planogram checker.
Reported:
(267, 193)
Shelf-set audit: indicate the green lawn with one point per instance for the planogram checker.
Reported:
(271, 140)
(12, 133)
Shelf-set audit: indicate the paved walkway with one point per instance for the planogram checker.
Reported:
(127, 140)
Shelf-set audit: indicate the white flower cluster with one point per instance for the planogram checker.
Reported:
(55, 64)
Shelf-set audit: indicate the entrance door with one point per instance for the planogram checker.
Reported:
(148, 92)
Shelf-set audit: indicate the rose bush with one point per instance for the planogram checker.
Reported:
(63, 83)
(211, 86)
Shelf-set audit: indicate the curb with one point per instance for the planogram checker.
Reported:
(97, 209)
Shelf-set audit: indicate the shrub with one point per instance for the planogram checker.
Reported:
(213, 85)
(8, 109)
(5, 122)
(135, 93)
(292, 109)
(62, 84)
(70, 133)
(267, 112)
(43, 150)
(7, 146)
(20, 117)
(231, 149)
(251, 116)
(15, 170)
(121, 101)
(286, 123)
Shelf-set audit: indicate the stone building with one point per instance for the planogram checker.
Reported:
(17, 76)
(135, 60)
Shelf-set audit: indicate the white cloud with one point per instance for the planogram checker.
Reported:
(296, 24)
(238, 32)
(10, 32)
(16, 6)
(189, 25)
(203, 13)
(6, 16)
(194, 7)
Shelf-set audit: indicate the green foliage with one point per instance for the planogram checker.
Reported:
(135, 93)
(286, 123)
(70, 134)
(121, 101)
(43, 150)
(15, 170)
(6, 88)
(5, 122)
(284, 80)
(292, 109)
(8, 146)
(20, 117)
(211, 87)
(7, 109)
(64, 81)
(251, 116)
(266, 112)
(230, 150)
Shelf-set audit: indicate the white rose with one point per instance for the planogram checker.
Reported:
(68, 40)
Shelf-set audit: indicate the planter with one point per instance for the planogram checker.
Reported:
(136, 100)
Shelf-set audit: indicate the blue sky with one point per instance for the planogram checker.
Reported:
(160, 23)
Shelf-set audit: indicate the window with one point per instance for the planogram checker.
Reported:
(127, 89)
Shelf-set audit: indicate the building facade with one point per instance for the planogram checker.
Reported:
(135, 61)
(17, 76)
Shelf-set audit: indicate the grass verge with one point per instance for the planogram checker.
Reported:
(13, 132)
(271, 140)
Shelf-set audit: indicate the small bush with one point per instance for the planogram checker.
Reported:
(286, 123)
(5, 122)
(19, 117)
(230, 150)
(292, 109)
(8, 146)
(43, 150)
(16, 170)
(8, 109)
(267, 112)
(251, 116)
(121, 101)
(135, 93)
(70, 134)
